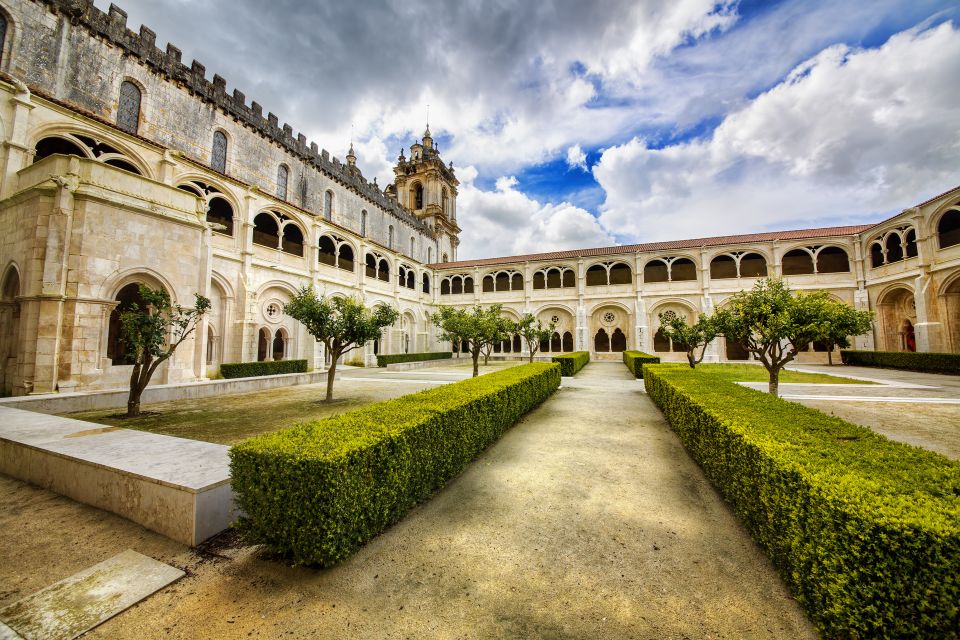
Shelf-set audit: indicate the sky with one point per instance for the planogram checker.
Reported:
(581, 124)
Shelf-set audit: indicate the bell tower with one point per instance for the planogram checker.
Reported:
(428, 188)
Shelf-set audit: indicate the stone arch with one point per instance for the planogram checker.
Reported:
(9, 35)
(148, 276)
(798, 261)
(947, 227)
(125, 293)
(896, 318)
(11, 288)
(950, 302)
(129, 105)
(679, 306)
(94, 145)
(610, 324)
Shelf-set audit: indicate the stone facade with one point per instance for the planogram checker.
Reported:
(106, 183)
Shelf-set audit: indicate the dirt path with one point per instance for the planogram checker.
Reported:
(587, 520)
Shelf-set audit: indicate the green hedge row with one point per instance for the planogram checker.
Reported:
(636, 359)
(865, 531)
(925, 362)
(251, 369)
(319, 491)
(570, 363)
(395, 358)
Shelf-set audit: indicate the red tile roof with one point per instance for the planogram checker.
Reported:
(798, 234)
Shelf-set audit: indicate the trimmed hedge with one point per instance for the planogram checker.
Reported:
(319, 491)
(570, 363)
(252, 369)
(865, 531)
(909, 360)
(636, 359)
(395, 358)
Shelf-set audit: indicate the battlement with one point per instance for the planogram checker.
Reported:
(112, 27)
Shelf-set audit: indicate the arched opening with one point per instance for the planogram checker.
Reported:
(597, 276)
(661, 343)
(948, 229)
(894, 248)
(211, 346)
(503, 282)
(539, 282)
(383, 271)
(283, 175)
(411, 280)
(417, 196)
(951, 301)
(911, 244)
(220, 212)
(218, 154)
(328, 206)
(345, 257)
(327, 253)
(683, 269)
(3, 35)
(120, 163)
(753, 265)
(896, 316)
(516, 282)
(456, 284)
(722, 267)
(443, 201)
(263, 344)
(279, 345)
(266, 231)
(569, 278)
(517, 344)
(371, 266)
(618, 341)
(445, 258)
(292, 240)
(426, 283)
(876, 255)
(128, 107)
(9, 330)
(620, 273)
(601, 341)
(556, 343)
(797, 262)
(363, 222)
(444, 287)
(554, 279)
(390, 237)
(833, 260)
(487, 284)
(117, 349)
(735, 350)
(52, 146)
(567, 341)
(655, 271)
(468, 285)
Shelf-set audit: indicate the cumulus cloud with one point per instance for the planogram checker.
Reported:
(576, 158)
(847, 133)
(505, 221)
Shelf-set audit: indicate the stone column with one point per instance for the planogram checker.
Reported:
(928, 330)
(16, 153)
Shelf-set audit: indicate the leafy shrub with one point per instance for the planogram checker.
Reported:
(866, 531)
(636, 359)
(319, 491)
(395, 358)
(925, 362)
(570, 363)
(251, 369)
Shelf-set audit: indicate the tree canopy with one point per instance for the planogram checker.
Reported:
(478, 327)
(531, 329)
(696, 336)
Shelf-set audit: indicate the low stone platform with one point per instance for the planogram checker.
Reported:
(177, 487)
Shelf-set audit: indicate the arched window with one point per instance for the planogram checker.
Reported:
(596, 276)
(279, 345)
(723, 267)
(263, 344)
(426, 283)
(567, 342)
(516, 282)
(128, 107)
(911, 244)
(468, 285)
(283, 174)
(219, 211)
(753, 265)
(569, 278)
(554, 279)
(456, 285)
(429, 255)
(417, 196)
(833, 260)
(345, 257)
(266, 232)
(363, 222)
(117, 349)
(218, 156)
(683, 269)
(539, 281)
(618, 341)
(655, 271)
(503, 281)
(445, 258)
(661, 343)
(443, 201)
(52, 146)
(3, 35)
(601, 341)
(383, 271)
(328, 251)
(620, 273)
(390, 237)
(488, 284)
(445, 287)
(555, 343)
(371, 266)
(894, 248)
(797, 262)
(211, 345)
(411, 246)
(876, 255)
(328, 205)
(948, 229)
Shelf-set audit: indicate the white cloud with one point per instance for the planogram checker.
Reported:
(576, 158)
(847, 133)
(506, 221)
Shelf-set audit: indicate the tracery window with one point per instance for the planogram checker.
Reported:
(218, 156)
(128, 106)
(283, 175)
(328, 205)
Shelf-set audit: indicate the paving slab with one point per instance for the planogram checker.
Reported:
(79, 603)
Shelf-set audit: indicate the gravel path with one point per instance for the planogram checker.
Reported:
(586, 520)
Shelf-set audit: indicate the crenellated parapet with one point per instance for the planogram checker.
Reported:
(112, 27)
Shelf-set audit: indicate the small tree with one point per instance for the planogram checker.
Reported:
(696, 336)
(152, 332)
(533, 332)
(341, 324)
(478, 327)
(770, 322)
(840, 322)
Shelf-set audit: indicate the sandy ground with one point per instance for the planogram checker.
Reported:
(568, 527)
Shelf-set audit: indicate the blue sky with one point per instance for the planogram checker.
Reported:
(578, 124)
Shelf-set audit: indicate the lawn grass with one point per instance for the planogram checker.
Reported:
(228, 419)
(757, 373)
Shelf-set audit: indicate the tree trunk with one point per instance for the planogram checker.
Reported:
(830, 355)
(331, 374)
(133, 398)
(476, 363)
(692, 359)
(774, 386)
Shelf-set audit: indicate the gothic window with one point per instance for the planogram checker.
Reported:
(266, 231)
(683, 269)
(426, 283)
(328, 251)
(390, 237)
(948, 229)
(219, 211)
(3, 35)
(292, 240)
(279, 345)
(282, 176)
(797, 262)
(655, 271)
(429, 255)
(833, 260)
(128, 107)
(418, 196)
(263, 342)
(753, 265)
(723, 266)
(328, 205)
(345, 257)
(363, 222)
(117, 349)
(411, 246)
(218, 157)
